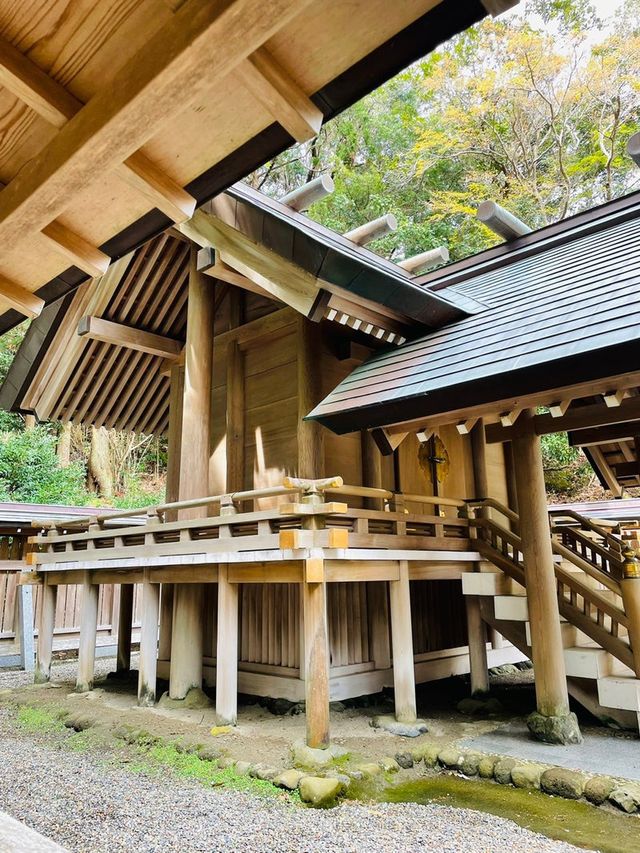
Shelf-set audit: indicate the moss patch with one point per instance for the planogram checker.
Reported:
(33, 719)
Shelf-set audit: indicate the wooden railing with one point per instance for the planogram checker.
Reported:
(594, 611)
(311, 520)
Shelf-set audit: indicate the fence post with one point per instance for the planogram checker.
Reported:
(25, 627)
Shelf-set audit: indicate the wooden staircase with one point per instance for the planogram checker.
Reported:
(602, 670)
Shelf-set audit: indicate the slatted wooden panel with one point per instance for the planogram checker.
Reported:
(210, 623)
(269, 628)
(348, 623)
(11, 548)
(437, 616)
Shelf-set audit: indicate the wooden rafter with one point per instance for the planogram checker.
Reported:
(274, 88)
(20, 299)
(99, 329)
(173, 69)
(603, 435)
(78, 250)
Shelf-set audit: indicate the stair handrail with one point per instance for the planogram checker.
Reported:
(589, 524)
(491, 503)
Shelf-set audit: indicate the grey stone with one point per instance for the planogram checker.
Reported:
(626, 797)
(79, 722)
(209, 753)
(194, 700)
(242, 767)
(504, 669)
(404, 759)
(369, 769)
(450, 757)
(320, 793)
(263, 771)
(470, 763)
(389, 765)
(598, 788)
(486, 766)
(288, 779)
(562, 783)
(428, 753)
(502, 770)
(388, 723)
(314, 759)
(345, 781)
(526, 775)
(562, 729)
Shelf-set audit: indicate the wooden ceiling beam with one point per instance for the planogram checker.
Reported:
(578, 418)
(210, 263)
(28, 82)
(176, 67)
(626, 469)
(20, 299)
(278, 93)
(78, 250)
(591, 437)
(99, 329)
(161, 190)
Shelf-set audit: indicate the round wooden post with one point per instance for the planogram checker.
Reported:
(44, 647)
(404, 681)
(630, 587)
(227, 650)
(553, 721)
(88, 629)
(148, 643)
(124, 627)
(477, 637)
(316, 645)
(188, 617)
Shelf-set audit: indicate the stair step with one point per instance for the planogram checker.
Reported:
(485, 583)
(587, 662)
(619, 691)
(513, 608)
(571, 636)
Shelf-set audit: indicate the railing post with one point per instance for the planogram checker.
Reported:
(630, 586)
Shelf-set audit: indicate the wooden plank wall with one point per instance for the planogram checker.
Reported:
(437, 615)
(269, 625)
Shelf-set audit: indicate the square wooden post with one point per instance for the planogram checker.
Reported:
(404, 680)
(124, 627)
(148, 642)
(25, 626)
(44, 650)
(316, 647)
(553, 722)
(88, 629)
(227, 650)
(477, 639)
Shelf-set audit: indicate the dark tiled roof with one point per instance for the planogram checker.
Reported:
(561, 309)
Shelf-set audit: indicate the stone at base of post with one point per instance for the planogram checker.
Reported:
(562, 729)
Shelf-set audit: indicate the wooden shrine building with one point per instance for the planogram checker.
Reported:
(355, 495)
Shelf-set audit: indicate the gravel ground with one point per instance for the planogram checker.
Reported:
(90, 807)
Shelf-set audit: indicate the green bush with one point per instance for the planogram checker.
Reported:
(566, 470)
(29, 470)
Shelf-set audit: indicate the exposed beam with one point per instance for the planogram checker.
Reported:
(603, 435)
(161, 190)
(373, 230)
(465, 427)
(509, 418)
(626, 469)
(604, 468)
(28, 82)
(557, 410)
(175, 68)
(425, 260)
(497, 7)
(282, 279)
(302, 198)
(423, 437)
(19, 298)
(577, 418)
(278, 93)
(211, 264)
(78, 250)
(387, 443)
(614, 398)
(500, 221)
(99, 329)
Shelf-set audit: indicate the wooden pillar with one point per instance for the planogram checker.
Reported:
(371, 468)
(378, 605)
(404, 682)
(477, 635)
(316, 648)
(25, 626)
(544, 616)
(124, 627)
(227, 650)
(310, 433)
(49, 593)
(148, 642)
(166, 620)
(509, 469)
(630, 587)
(88, 629)
(187, 626)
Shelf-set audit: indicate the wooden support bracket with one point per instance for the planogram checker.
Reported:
(387, 442)
(99, 329)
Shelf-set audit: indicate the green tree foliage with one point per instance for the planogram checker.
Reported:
(566, 470)
(29, 470)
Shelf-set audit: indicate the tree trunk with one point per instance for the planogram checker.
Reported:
(100, 472)
(63, 449)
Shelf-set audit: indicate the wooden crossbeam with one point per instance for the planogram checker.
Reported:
(20, 299)
(210, 263)
(603, 435)
(274, 88)
(509, 418)
(373, 230)
(614, 398)
(99, 329)
(303, 197)
(605, 469)
(579, 418)
(557, 410)
(34, 87)
(465, 427)
(161, 190)
(626, 469)
(174, 69)
(78, 250)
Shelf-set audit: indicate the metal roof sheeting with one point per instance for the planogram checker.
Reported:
(569, 300)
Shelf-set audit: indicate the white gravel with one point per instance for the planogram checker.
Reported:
(90, 807)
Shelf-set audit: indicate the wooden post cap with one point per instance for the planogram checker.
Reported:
(630, 564)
